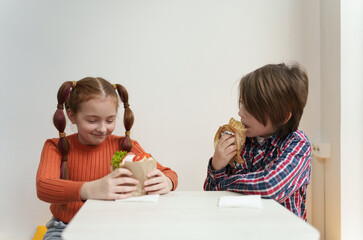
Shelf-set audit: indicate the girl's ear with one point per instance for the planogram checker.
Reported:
(71, 116)
(288, 118)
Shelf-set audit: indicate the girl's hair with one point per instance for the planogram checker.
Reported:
(72, 94)
(274, 91)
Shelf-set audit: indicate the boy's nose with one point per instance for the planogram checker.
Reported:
(241, 113)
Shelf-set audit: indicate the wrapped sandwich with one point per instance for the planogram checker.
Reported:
(236, 129)
(140, 165)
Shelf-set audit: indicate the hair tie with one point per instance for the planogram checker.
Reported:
(62, 134)
(74, 84)
(114, 86)
(60, 106)
(127, 133)
(126, 105)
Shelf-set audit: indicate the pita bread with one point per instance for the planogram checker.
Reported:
(235, 128)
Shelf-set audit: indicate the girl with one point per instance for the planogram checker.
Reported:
(75, 168)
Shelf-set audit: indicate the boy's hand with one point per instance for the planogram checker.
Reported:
(157, 183)
(225, 150)
(116, 185)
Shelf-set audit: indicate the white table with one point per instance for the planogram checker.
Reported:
(186, 215)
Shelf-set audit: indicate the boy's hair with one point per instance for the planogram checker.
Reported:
(274, 91)
(72, 94)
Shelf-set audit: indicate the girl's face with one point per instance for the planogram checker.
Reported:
(95, 120)
(254, 127)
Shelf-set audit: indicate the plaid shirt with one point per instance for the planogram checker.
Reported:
(276, 168)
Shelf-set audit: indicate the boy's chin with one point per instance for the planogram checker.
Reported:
(249, 134)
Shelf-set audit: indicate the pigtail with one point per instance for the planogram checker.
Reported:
(59, 121)
(125, 143)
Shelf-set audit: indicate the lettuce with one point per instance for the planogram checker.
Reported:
(117, 158)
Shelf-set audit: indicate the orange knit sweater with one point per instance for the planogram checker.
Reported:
(85, 163)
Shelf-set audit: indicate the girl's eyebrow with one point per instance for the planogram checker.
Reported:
(96, 116)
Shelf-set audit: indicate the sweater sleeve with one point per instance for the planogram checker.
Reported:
(50, 188)
(167, 171)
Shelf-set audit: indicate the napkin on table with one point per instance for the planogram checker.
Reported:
(144, 198)
(247, 201)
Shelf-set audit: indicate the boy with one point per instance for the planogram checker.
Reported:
(277, 156)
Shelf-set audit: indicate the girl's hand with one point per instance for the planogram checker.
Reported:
(225, 150)
(116, 185)
(157, 183)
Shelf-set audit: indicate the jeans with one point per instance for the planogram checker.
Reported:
(55, 228)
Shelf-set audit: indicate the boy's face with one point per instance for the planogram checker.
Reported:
(95, 120)
(254, 127)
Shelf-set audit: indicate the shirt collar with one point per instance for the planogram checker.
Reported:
(273, 139)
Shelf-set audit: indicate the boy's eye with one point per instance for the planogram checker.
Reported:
(91, 121)
(240, 102)
(110, 121)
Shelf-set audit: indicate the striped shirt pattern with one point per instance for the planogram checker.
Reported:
(274, 168)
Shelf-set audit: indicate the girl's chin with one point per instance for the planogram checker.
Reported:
(98, 139)
(93, 139)
(99, 136)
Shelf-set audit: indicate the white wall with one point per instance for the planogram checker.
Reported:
(180, 61)
(311, 38)
(330, 112)
(342, 116)
(351, 119)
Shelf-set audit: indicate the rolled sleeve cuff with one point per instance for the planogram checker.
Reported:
(216, 174)
(73, 191)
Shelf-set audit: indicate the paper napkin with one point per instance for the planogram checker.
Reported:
(247, 201)
(144, 198)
